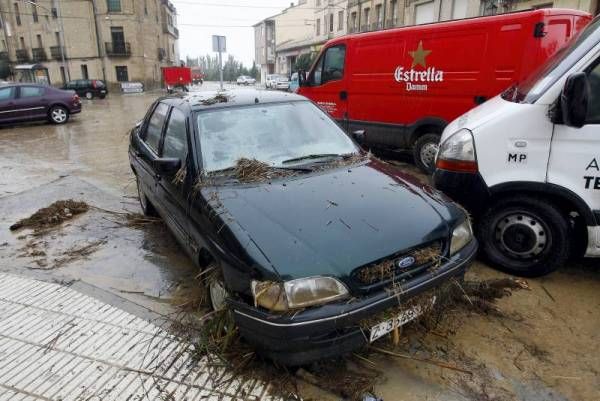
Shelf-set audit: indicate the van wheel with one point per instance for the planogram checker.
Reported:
(147, 207)
(424, 152)
(89, 95)
(525, 236)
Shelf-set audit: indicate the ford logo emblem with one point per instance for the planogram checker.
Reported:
(405, 262)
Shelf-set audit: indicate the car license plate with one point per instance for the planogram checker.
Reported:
(383, 328)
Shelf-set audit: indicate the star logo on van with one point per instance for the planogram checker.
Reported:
(419, 55)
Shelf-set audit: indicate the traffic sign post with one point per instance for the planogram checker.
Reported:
(219, 45)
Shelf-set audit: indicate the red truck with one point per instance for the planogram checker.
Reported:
(197, 76)
(177, 77)
(399, 88)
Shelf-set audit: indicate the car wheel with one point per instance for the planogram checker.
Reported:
(58, 114)
(89, 95)
(102, 96)
(218, 294)
(147, 208)
(525, 236)
(424, 152)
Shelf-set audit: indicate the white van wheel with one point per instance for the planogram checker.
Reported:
(425, 151)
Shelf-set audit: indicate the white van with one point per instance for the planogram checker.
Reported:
(526, 163)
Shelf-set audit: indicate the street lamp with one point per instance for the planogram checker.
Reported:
(61, 35)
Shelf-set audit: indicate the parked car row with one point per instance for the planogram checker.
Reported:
(277, 81)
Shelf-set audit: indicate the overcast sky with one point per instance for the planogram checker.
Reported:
(198, 20)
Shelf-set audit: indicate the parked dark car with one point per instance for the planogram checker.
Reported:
(88, 88)
(24, 102)
(325, 237)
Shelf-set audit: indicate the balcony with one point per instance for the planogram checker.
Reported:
(39, 54)
(22, 56)
(118, 49)
(170, 29)
(57, 52)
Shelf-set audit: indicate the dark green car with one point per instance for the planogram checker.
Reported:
(312, 236)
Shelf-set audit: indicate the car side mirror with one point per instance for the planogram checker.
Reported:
(166, 165)
(302, 78)
(574, 100)
(359, 135)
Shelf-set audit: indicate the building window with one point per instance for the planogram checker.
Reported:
(34, 11)
(424, 13)
(459, 9)
(63, 76)
(318, 26)
(22, 40)
(114, 6)
(39, 41)
(145, 7)
(379, 16)
(394, 11)
(366, 19)
(330, 22)
(57, 37)
(353, 20)
(84, 72)
(17, 15)
(122, 74)
(340, 20)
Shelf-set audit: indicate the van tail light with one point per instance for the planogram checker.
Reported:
(457, 153)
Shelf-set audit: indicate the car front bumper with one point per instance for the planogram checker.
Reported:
(334, 329)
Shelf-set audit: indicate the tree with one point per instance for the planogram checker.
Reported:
(304, 61)
(254, 72)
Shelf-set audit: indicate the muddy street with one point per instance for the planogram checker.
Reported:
(539, 343)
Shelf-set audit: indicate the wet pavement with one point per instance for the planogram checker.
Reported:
(545, 350)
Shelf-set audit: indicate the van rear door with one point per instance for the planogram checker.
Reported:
(326, 83)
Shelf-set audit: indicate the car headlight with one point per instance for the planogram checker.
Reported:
(298, 293)
(457, 153)
(461, 236)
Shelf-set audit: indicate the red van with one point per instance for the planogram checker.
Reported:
(177, 77)
(402, 86)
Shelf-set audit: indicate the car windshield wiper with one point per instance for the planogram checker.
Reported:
(314, 156)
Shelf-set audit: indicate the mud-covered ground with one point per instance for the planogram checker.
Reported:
(542, 346)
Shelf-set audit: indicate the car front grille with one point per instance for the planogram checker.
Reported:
(399, 266)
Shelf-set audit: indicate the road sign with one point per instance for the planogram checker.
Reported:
(219, 44)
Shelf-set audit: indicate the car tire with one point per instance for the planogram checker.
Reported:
(424, 151)
(147, 207)
(89, 95)
(217, 293)
(525, 236)
(58, 114)
(102, 96)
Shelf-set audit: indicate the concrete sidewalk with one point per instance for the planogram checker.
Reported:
(59, 344)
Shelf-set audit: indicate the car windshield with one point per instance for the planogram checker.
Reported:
(270, 133)
(562, 61)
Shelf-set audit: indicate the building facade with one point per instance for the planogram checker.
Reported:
(114, 40)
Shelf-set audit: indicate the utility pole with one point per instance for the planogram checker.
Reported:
(99, 39)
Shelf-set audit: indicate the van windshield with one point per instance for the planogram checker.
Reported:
(533, 87)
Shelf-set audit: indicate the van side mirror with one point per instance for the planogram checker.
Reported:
(359, 135)
(302, 78)
(574, 100)
(166, 165)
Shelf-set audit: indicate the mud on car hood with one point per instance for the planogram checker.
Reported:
(331, 222)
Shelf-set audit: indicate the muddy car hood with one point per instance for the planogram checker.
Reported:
(331, 222)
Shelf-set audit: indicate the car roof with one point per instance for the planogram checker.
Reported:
(198, 101)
